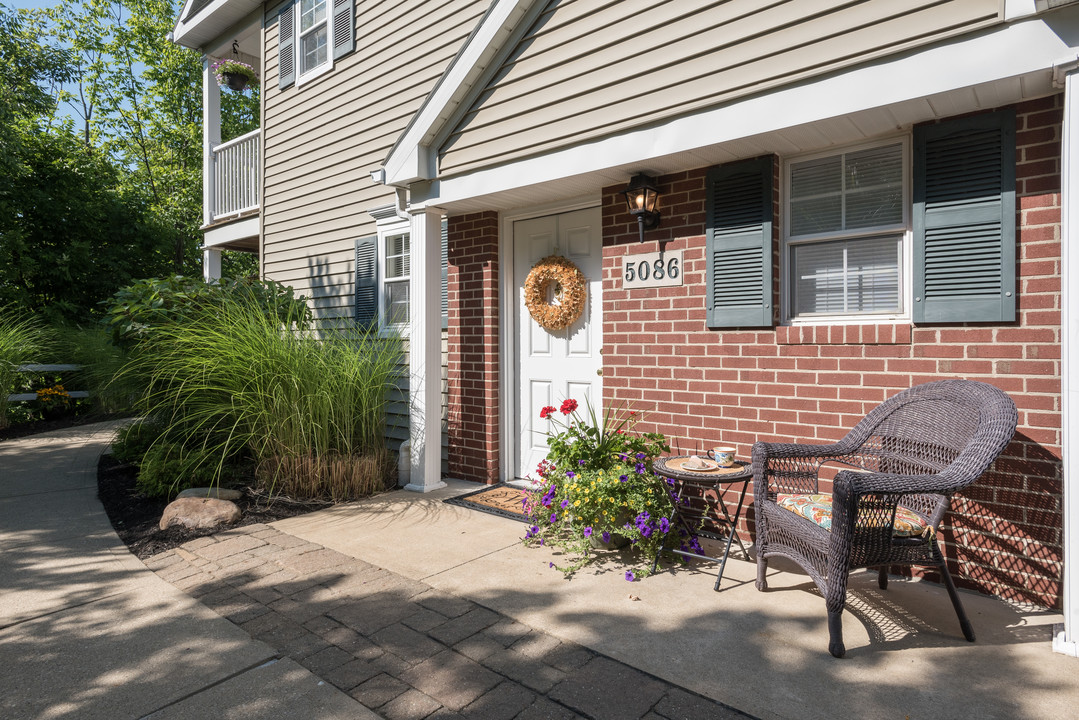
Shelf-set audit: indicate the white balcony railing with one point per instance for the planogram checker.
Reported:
(235, 177)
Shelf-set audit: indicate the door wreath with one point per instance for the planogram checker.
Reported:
(569, 292)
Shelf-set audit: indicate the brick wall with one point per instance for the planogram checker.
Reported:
(812, 384)
(472, 286)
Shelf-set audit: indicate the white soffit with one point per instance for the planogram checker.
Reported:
(210, 22)
(989, 69)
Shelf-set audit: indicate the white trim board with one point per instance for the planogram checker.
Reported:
(225, 234)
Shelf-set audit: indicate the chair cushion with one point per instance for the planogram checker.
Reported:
(818, 509)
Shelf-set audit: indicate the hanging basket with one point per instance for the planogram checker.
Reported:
(235, 81)
(569, 293)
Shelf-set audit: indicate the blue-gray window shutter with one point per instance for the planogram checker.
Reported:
(286, 46)
(964, 220)
(445, 274)
(367, 283)
(738, 243)
(344, 23)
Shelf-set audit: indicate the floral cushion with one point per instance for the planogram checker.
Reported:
(818, 509)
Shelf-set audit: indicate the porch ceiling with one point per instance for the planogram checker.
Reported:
(456, 194)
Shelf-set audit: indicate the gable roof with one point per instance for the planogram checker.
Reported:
(412, 157)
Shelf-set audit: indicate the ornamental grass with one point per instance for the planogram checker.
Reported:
(307, 408)
(23, 339)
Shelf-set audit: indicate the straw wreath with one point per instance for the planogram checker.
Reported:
(569, 292)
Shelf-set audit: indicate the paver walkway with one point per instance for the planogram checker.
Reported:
(404, 649)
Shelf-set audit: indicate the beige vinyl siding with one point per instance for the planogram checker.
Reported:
(322, 139)
(589, 69)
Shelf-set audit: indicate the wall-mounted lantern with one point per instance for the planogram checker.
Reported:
(641, 196)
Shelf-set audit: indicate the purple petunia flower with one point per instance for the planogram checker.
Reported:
(640, 468)
(565, 503)
(571, 474)
(588, 532)
(664, 525)
(623, 478)
(550, 564)
(554, 518)
(581, 463)
(640, 456)
(646, 531)
(606, 536)
(630, 577)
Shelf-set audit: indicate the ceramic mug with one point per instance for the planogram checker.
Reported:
(724, 456)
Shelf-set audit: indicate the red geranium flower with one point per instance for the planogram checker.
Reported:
(568, 406)
(547, 411)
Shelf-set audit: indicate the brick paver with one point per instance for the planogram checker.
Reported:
(405, 649)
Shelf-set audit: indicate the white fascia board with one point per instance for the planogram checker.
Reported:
(230, 233)
(211, 21)
(1007, 51)
(410, 159)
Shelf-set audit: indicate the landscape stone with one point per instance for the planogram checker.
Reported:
(200, 513)
(211, 492)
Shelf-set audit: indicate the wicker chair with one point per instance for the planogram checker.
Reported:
(906, 458)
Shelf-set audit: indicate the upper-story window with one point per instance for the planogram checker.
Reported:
(846, 234)
(312, 34)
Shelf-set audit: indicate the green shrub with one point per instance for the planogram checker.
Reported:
(168, 468)
(135, 312)
(133, 440)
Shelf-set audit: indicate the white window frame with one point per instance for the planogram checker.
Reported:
(297, 45)
(903, 230)
(387, 229)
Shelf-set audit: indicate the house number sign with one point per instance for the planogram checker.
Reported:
(658, 269)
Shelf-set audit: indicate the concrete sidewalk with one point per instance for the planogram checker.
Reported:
(418, 609)
(87, 631)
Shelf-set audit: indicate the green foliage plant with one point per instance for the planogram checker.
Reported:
(232, 381)
(136, 311)
(23, 339)
(597, 490)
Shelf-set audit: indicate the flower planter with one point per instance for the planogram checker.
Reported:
(235, 81)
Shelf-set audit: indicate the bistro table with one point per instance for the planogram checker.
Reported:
(708, 516)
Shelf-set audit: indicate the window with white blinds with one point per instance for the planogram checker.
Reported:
(844, 236)
(395, 278)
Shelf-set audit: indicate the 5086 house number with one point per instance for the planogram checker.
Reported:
(658, 269)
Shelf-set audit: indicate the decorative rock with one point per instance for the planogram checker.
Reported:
(199, 513)
(211, 492)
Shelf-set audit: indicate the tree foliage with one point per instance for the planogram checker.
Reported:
(112, 192)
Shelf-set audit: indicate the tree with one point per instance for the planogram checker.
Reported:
(140, 98)
(71, 231)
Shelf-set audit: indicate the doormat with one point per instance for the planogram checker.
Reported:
(501, 499)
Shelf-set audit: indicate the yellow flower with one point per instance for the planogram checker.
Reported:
(576, 503)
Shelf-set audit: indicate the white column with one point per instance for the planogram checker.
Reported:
(211, 264)
(1066, 637)
(425, 350)
(211, 136)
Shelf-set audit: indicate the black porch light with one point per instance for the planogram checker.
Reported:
(641, 195)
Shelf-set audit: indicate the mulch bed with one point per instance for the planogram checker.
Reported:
(135, 517)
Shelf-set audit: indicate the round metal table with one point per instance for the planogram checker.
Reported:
(711, 518)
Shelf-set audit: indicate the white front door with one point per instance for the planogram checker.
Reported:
(553, 366)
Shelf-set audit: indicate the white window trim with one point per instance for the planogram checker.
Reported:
(385, 229)
(904, 231)
(297, 47)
